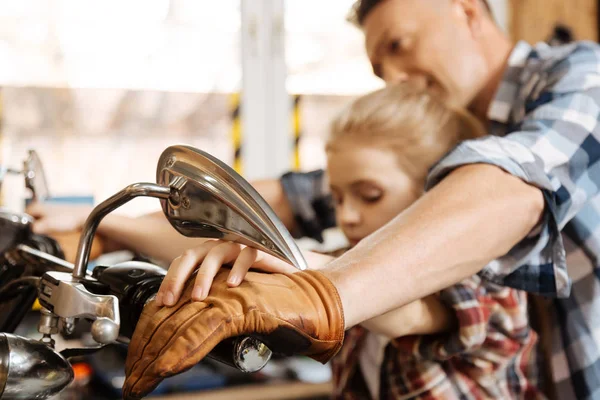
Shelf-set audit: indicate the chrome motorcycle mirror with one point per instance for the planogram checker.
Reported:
(209, 199)
(202, 197)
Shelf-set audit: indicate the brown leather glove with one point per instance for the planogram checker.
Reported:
(297, 313)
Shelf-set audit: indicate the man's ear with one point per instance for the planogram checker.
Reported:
(473, 11)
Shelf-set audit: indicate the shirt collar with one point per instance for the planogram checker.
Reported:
(500, 108)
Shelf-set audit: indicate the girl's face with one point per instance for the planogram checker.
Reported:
(368, 187)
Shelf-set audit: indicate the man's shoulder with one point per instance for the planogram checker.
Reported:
(568, 68)
(576, 50)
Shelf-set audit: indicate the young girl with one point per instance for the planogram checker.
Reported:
(475, 340)
(470, 341)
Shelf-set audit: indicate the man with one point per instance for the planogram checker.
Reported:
(522, 201)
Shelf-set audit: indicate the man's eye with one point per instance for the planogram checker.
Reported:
(395, 46)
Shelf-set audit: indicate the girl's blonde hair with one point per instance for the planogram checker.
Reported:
(414, 123)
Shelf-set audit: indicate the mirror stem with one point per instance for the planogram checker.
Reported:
(104, 208)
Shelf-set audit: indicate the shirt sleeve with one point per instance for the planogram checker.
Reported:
(555, 148)
(311, 202)
(491, 323)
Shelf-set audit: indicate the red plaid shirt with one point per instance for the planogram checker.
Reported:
(492, 354)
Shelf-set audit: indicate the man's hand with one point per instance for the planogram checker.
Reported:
(299, 313)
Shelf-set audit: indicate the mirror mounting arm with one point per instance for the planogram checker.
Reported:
(106, 207)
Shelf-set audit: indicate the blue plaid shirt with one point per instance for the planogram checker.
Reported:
(545, 130)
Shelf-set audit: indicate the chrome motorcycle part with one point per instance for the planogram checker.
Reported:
(14, 228)
(35, 177)
(209, 199)
(104, 208)
(30, 369)
(66, 297)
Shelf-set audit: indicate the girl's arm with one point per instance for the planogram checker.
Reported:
(421, 317)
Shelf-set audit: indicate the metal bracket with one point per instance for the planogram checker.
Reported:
(66, 297)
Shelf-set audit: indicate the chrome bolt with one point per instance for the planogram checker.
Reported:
(68, 325)
(175, 198)
(48, 341)
(48, 324)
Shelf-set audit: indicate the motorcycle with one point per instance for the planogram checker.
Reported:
(200, 197)
(33, 172)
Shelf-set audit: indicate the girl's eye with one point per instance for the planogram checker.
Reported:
(372, 198)
(370, 194)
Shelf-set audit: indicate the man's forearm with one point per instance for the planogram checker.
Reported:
(478, 213)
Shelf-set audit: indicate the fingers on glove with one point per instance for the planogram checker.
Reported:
(182, 341)
(252, 258)
(214, 260)
(245, 259)
(241, 266)
(180, 271)
(268, 263)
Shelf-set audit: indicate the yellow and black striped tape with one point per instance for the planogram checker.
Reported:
(296, 131)
(236, 131)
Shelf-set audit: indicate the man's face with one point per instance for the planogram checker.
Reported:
(433, 42)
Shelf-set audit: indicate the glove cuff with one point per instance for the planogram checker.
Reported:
(328, 342)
